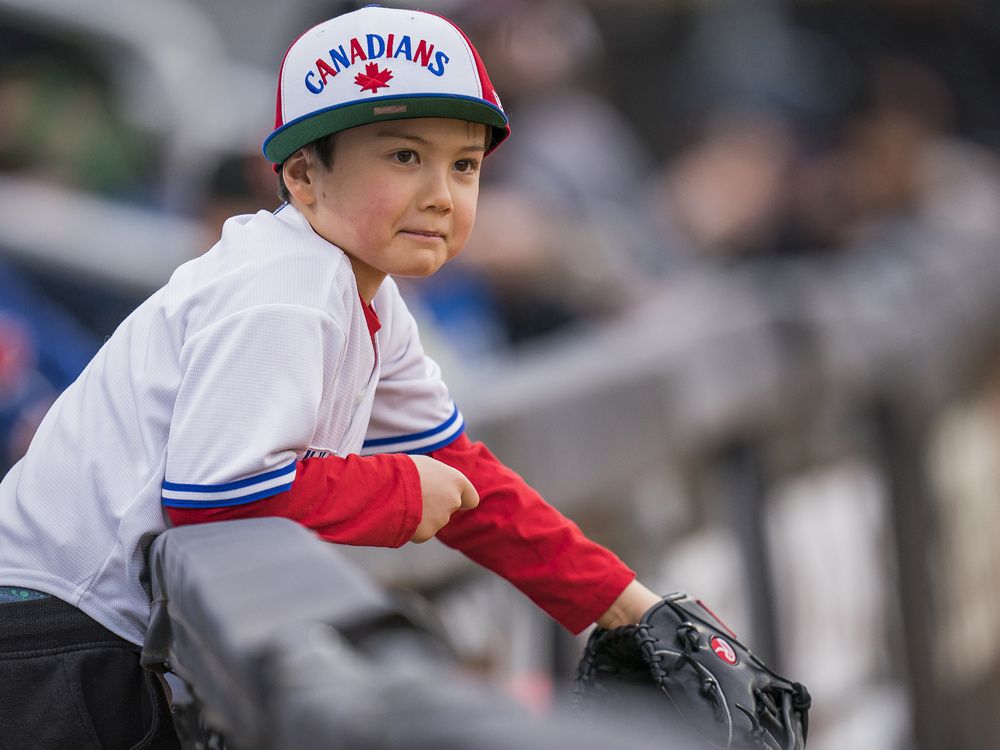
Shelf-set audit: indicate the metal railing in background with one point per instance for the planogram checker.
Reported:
(94, 240)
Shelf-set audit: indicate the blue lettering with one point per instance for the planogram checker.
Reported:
(312, 86)
(339, 57)
(372, 39)
(437, 67)
(405, 48)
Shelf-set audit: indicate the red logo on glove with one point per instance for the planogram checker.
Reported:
(722, 649)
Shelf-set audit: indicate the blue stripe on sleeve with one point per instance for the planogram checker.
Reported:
(414, 436)
(230, 485)
(226, 503)
(436, 446)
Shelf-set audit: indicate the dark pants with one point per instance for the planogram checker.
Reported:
(67, 683)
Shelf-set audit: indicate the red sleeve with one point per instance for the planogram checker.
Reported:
(516, 534)
(373, 501)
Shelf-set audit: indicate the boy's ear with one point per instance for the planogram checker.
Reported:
(295, 171)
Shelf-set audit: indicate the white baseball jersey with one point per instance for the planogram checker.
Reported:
(252, 357)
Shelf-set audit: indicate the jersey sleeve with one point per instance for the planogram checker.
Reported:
(516, 534)
(413, 411)
(251, 388)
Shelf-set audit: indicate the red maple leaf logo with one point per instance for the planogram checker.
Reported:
(373, 78)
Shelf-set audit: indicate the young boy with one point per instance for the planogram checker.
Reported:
(281, 374)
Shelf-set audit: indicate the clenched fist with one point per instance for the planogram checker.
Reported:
(445, 490)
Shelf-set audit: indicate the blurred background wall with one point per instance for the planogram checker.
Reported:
(732, 302)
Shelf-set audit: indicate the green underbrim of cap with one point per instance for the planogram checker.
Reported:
(288, 139)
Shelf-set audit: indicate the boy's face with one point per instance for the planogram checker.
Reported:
(400, 197)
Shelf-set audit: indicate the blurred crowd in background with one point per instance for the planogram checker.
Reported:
(651, 140)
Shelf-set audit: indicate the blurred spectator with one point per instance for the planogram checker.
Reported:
(769, 171)
(731, 191)
(42, 350)
(240, 183)
(748, 99)
(900, 158)
(59, 120)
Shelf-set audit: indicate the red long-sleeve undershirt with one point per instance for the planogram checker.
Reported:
(376, 501)
(516, 534)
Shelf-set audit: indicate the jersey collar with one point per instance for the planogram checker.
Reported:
(289, 214)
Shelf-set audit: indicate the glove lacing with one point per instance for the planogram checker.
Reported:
(687, 635)
(796, 697)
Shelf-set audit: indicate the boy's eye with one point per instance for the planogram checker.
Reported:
(466, 165)
(404, 157)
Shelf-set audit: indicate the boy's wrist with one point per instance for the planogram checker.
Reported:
(629, 607)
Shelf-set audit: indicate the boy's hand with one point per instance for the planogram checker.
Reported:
(445, 490)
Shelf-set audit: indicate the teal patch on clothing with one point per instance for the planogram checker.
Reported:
(17, 594)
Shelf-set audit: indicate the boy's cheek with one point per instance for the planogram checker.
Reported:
(376, 205)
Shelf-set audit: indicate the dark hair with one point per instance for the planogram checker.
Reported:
(320, 150)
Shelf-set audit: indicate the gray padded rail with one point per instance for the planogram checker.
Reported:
(288, 645)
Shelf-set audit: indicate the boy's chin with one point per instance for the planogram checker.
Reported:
(421, 270)
(420, 273)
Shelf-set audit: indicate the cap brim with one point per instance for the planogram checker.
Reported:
(288, 139)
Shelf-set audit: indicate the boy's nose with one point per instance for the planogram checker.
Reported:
(437, 193)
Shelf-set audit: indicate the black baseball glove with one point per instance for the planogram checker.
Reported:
(716, 687)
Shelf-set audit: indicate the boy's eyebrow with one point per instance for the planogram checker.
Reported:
(403, 135)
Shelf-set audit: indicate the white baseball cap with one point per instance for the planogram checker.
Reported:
(378, 64)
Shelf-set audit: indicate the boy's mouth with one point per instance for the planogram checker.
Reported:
(430, 234)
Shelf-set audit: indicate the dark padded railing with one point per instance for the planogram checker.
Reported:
(287, 645)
